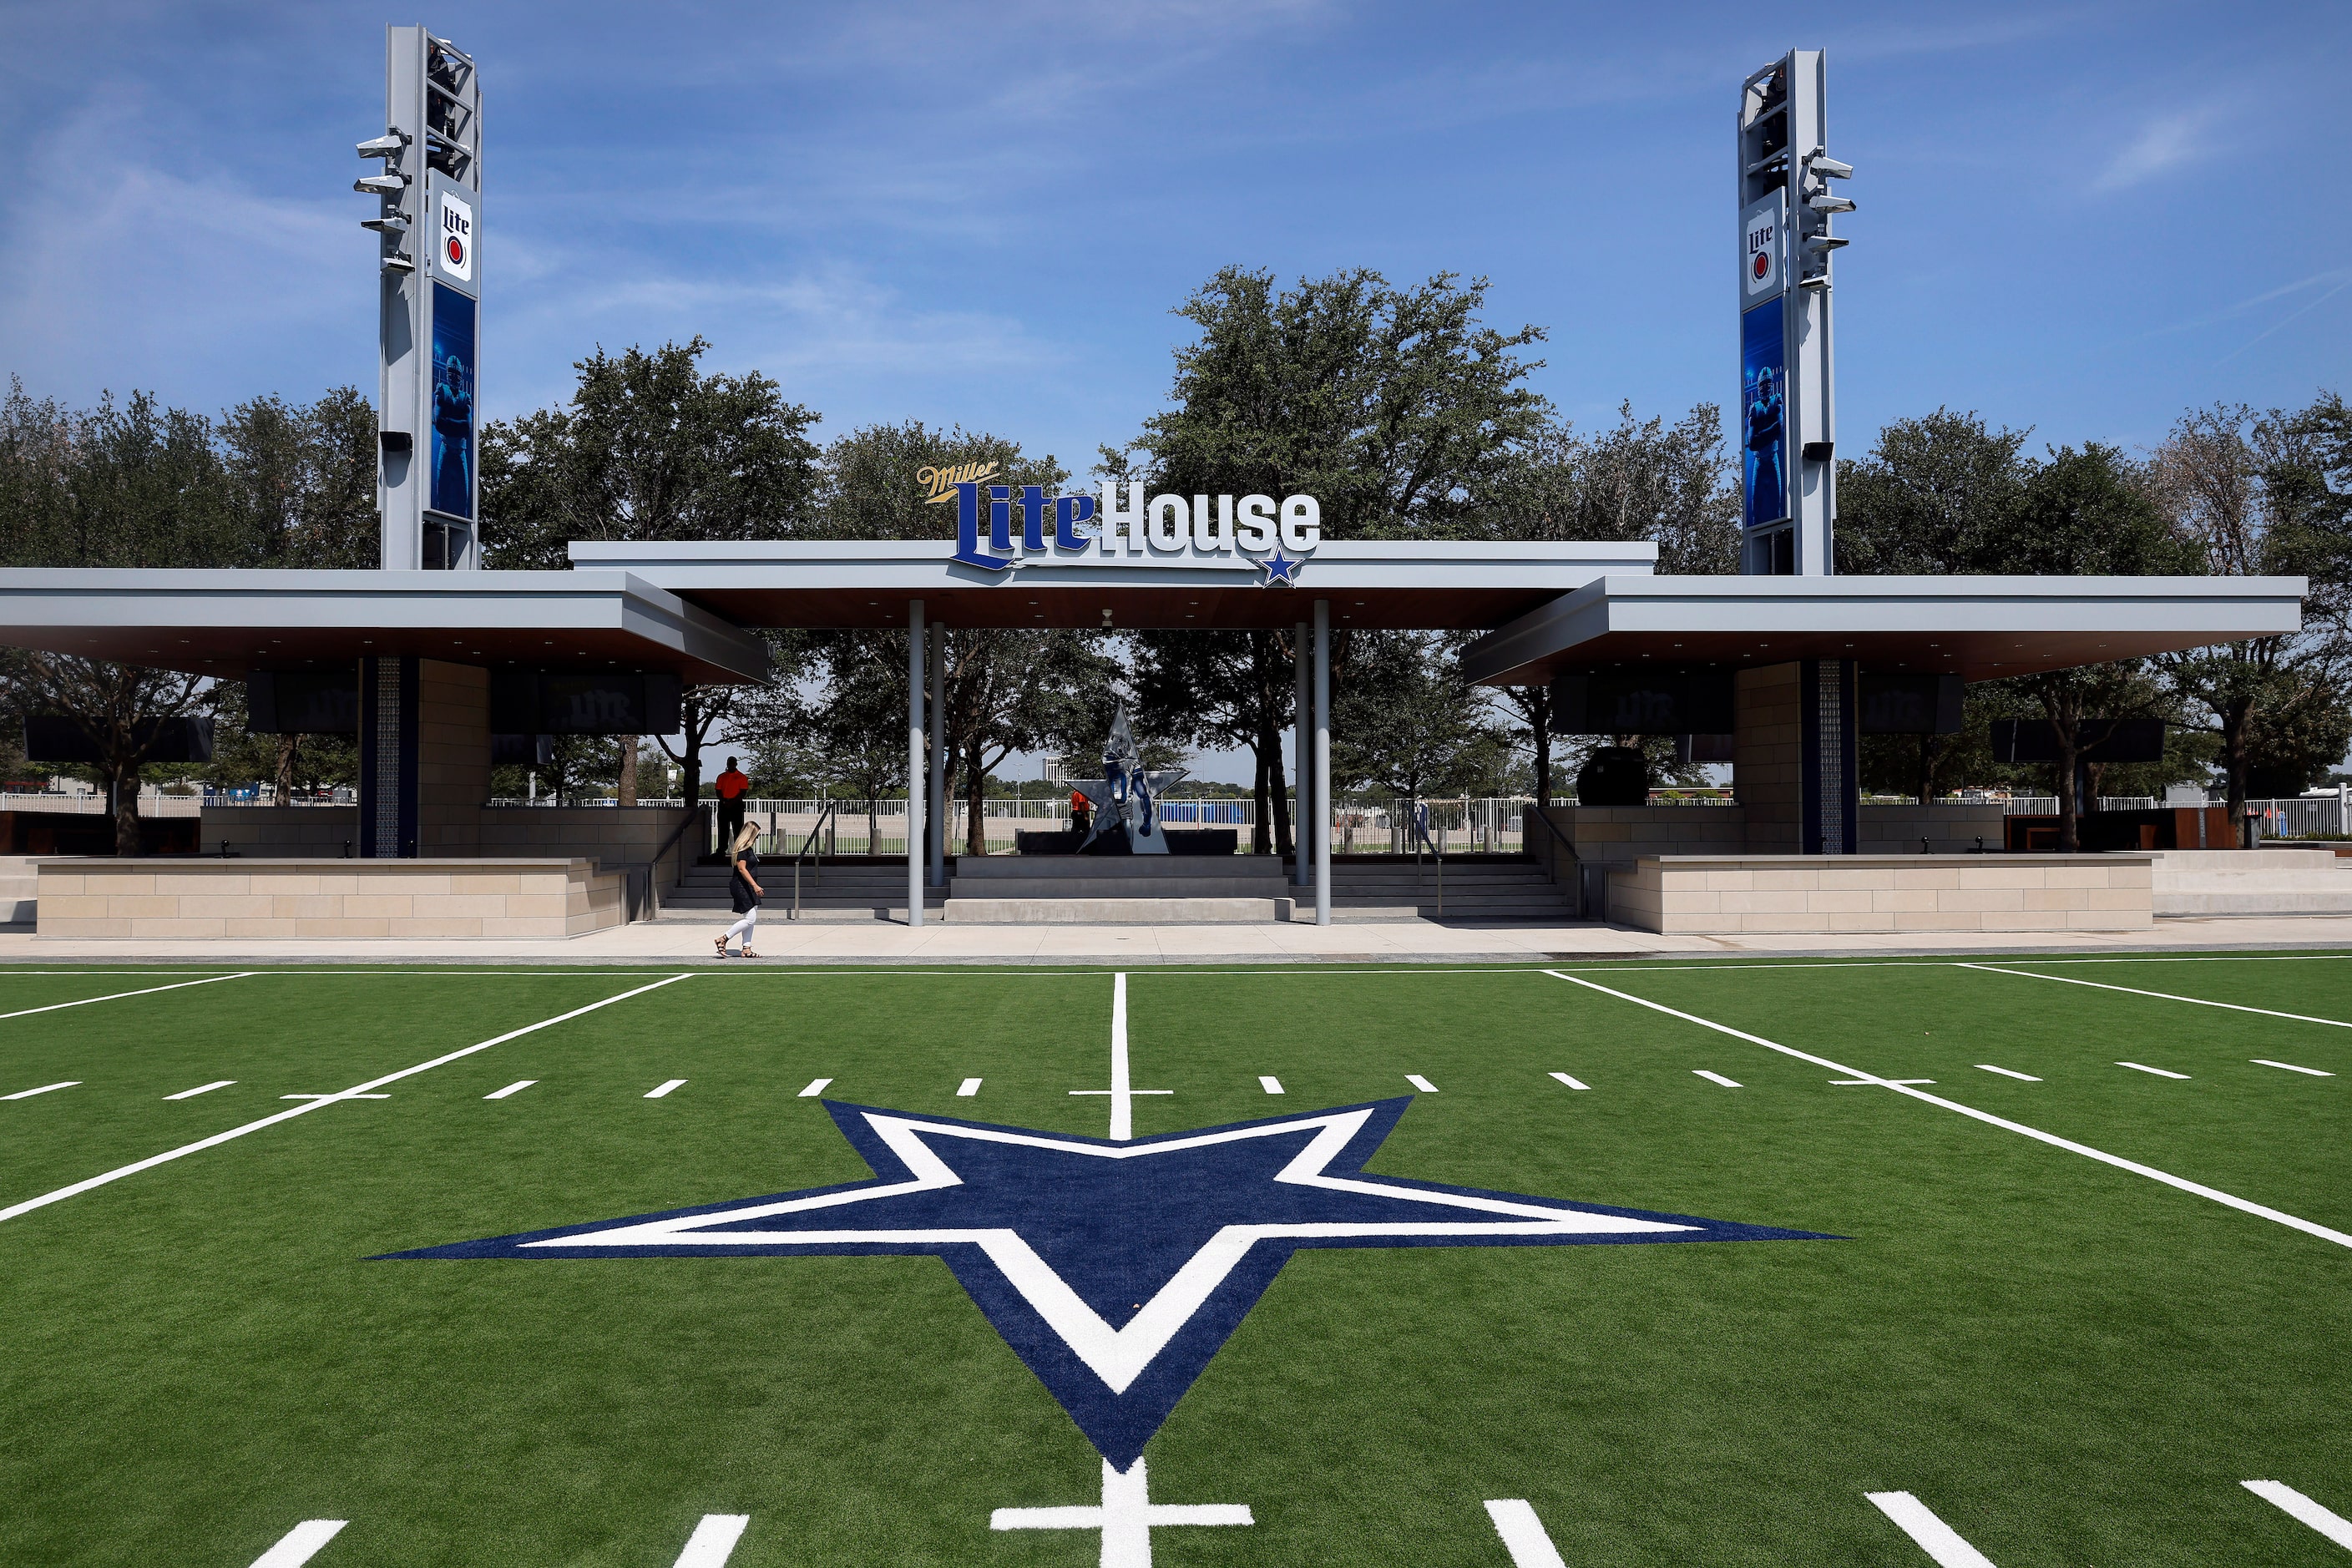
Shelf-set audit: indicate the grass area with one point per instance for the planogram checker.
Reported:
(2069, 1363)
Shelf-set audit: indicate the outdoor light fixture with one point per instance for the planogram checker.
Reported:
(1825, 203)
(380, 184)
(395, 224)
(387, 145)
(1829, 168)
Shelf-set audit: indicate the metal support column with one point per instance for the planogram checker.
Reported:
(938, 786)
(914, 763)
(1322, 762)
(1302, 838)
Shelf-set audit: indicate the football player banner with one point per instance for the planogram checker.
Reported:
(1763, 416)
(452, 486)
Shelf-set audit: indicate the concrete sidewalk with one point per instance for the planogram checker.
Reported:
(784, 943)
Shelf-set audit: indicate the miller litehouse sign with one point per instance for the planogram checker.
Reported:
(1002, 527)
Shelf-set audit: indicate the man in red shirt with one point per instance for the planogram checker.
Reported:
(731, 786)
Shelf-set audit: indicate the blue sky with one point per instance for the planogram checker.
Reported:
(2081, 218)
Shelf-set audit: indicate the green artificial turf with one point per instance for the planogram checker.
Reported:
(2071, 1364)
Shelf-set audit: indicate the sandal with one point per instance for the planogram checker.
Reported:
(749, 953)
(722, 947)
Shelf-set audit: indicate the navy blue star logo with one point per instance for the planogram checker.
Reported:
(1280, 568)
(1114, 1270)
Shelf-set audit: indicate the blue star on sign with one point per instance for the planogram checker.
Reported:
(1113, 1269)
(1280, 568)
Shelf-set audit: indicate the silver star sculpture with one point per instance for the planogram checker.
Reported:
(1127, 793)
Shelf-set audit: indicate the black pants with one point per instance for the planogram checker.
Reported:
(730, 823)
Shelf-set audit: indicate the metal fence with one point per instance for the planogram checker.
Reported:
(2300, 816)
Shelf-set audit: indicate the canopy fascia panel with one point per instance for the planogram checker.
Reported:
(868, 583)
(1979, 628)
(224, 623)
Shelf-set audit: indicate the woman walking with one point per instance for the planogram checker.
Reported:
(744, 886)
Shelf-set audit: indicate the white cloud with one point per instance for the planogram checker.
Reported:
(2168, 142)
(117, 269)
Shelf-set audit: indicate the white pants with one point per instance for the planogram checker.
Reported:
(744, 927)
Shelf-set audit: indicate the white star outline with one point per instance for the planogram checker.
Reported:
(1116, 1355)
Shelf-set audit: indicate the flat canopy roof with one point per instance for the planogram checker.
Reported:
(1977, 628)
(1556, 608)
(867, 584)
(224, 623)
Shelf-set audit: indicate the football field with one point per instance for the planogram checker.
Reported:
(2028, 1262)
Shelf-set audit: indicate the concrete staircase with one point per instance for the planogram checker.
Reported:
(2249, 882)
(1117, 890)
(1494, 888)
(841, 893)
(1143, 890)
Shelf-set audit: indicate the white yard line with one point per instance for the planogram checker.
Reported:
(1421, 1083)
(713, 1541)
(118, 995)
(1122, 1081)
(2197, 1189)
(1936, 1539)
(1715, 1077)
(658, 1091)
(1122, 1090)
(2020, 1077)
(2157, 1072)
(1523, 1535)
(816, 1087)
(510, 1088)
(29, 1205)
(967, 1089)
(1271, 1085)
(201, 1089)
(2325, 1521)
(2290, 1067)
(28, 1093)
(300, 1544)
(2159, 995)
(1571, 1083)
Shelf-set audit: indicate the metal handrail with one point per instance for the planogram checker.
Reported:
(1419, 818)
(1569, 844)
(806, 844)
(693, 814)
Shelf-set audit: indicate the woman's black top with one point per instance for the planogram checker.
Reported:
(740, 882)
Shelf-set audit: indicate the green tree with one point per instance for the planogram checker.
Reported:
(651, 448)
(135, 484)
(2087, 512)
(1006, 690)
(1225, 691)
(1409, 723)
(1673, 484)
(1935, 497)
(1398, 409)
(304, 477)
(2255, 495)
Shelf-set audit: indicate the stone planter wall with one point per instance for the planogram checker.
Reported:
(213, 899)
(1696, 894)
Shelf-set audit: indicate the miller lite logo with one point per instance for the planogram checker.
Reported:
(456, 239)
(1759, 254)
